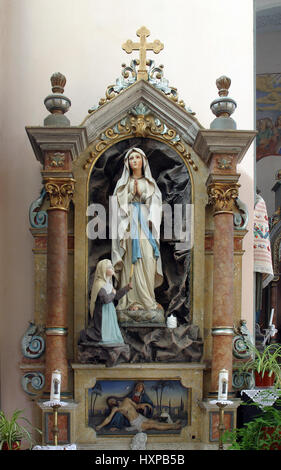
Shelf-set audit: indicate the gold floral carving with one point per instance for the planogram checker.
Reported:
(60, 192)
(139, 126)
(222, 196)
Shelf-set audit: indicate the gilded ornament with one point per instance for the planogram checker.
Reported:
(60, 192)
(222, 196)
(142, 46)
(139, 125)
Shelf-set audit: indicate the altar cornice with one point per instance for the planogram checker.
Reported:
(73, 139)
(214, 141)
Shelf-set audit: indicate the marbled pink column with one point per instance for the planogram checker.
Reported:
(223, 289)
(56, 325)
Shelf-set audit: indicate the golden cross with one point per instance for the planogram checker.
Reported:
(143, 46)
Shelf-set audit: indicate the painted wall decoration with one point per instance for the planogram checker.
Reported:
(268, 114)
(125, 407)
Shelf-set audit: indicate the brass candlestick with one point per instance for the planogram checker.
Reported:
(55, 429)
(221, 426)
(221, 404)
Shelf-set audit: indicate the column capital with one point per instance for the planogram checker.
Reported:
(60, 192)
(222, 195)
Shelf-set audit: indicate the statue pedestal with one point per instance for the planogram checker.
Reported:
(161, 344)
(141, 318)
(108, 355)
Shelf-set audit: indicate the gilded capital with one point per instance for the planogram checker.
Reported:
(60, 192)
(222, 196)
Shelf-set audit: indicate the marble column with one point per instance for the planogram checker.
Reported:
(222, 196)
(60, 191)
(222, 147)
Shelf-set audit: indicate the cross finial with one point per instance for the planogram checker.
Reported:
(143, 46)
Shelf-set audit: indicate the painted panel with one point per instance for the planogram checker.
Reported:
(165, 403)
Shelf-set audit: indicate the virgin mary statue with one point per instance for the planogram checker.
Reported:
(135, 250)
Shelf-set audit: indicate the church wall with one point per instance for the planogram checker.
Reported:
(83, 41)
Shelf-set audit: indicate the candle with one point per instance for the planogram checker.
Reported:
(55, 386)
(271, 317)
(223, 385)
(172, 321)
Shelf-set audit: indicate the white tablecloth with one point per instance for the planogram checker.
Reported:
(263, 397)
(65, 447)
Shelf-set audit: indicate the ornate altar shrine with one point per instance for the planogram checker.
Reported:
(177, 368)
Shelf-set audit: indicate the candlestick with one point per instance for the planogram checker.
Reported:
(55, 386)
(55, 429)
(223, 385)
(221, 427)
(55, 405)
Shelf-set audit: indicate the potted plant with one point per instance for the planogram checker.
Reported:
(12, 432)
(261, 433)
(265, 364)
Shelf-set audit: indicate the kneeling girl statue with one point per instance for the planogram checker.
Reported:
(103, 324)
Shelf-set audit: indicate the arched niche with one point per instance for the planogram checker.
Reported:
(167, 132)
(175, 183)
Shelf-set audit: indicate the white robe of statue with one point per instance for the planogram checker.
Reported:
(147, 270)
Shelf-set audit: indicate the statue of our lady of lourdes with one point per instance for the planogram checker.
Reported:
(135, 253)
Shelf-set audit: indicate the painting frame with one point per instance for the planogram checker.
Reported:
(117, 386)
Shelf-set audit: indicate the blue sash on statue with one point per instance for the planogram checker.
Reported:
(137, 218)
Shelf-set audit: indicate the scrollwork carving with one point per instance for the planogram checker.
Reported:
(33, 343)
(37, 217)
(155, 76)
(140, 122)
(241, 218)
(33, 383)
(241, 341)
(242, 380)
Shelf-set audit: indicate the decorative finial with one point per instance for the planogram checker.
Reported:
(224, 106)
(223, 83)
(142, 46)
(58, 82)
(57, 103)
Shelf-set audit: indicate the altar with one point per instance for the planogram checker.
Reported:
(178, 329)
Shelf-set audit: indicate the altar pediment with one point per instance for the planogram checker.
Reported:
(142, 92)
